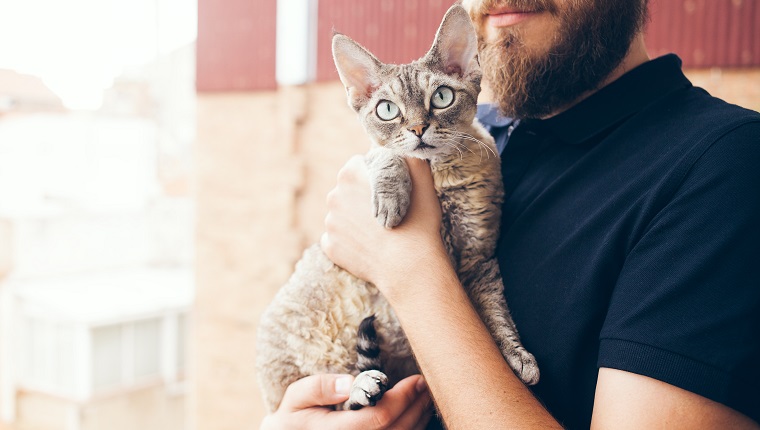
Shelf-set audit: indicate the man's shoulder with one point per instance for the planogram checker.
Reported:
(696, 108)
(692, 119)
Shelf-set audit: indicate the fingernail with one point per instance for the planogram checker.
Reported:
(421, 385)
(342, 385)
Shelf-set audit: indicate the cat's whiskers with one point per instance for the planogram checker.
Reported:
(458, 143)
(458, 140)
(459, 137)
(471, 138)
(452, 145)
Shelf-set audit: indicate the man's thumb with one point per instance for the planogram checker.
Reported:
(317, 390)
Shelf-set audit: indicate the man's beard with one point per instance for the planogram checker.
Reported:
(593, 38)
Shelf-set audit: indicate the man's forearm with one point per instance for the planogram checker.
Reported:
(473, 386)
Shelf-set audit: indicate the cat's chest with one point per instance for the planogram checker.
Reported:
(470, 211)
(455, 193)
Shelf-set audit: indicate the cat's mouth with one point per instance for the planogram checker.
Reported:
(422, 145)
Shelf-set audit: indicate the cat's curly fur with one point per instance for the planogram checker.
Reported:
(311, 326)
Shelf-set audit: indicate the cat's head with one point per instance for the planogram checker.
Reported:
(416, 109)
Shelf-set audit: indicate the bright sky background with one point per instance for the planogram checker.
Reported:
(79, 46)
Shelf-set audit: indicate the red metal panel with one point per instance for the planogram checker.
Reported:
(721, 55)
(707, 29)
(236, 38)
(236, 45)
(396, 31)
(756, 46)
(706, 33)
(654, 32)
(748, 20)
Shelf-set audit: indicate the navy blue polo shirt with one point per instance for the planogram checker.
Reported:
(630, 239)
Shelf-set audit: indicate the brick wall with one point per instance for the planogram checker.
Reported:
(265, 162)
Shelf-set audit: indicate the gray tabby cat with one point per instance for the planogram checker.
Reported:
(325, 320)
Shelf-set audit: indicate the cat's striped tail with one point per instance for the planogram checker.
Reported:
(368, 346)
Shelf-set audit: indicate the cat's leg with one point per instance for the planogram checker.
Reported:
(369, 385)
(368, 388)
(486, 291)
(391, 186)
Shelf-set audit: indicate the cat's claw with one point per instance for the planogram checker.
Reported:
(368, 388)
(524, 365)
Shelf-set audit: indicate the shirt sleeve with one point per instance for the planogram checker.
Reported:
(686, 307)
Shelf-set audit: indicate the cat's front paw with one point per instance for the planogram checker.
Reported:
(368, 388)
(390, 208)
(524, 365)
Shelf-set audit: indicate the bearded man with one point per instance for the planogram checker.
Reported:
(629, 245)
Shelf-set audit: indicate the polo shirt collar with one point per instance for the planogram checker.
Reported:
(620, 99)
(489, 116)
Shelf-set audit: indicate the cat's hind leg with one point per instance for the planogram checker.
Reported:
(368, 388)
(369, 385)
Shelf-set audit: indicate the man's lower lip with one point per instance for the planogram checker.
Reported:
(507, 19)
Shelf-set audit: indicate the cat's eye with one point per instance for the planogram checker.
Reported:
(387, 110)
(442, 98)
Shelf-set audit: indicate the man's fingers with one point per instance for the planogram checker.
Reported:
(424, 204)
(394, 404)
(418, 414)
(316, 390)
(355, 170)
(422, 424)
(419, 171)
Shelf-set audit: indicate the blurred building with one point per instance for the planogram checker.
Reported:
(96, 252)
(25, 94)
(267, 153)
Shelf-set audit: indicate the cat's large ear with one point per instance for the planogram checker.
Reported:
(455, 48)
(358, 69)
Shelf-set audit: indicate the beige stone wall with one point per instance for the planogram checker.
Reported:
(158, 410)
(6, 239)
(264, 163)
(737, 86)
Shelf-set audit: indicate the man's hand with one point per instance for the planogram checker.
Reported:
(354, 240)
(307, 405)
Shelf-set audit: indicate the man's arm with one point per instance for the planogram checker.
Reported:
(626, 400)
(472, 385)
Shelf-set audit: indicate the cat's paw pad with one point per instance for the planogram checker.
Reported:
(368, 388)
(524, 365)
(389, 211)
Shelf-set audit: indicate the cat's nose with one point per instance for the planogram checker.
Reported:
(418, 129)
